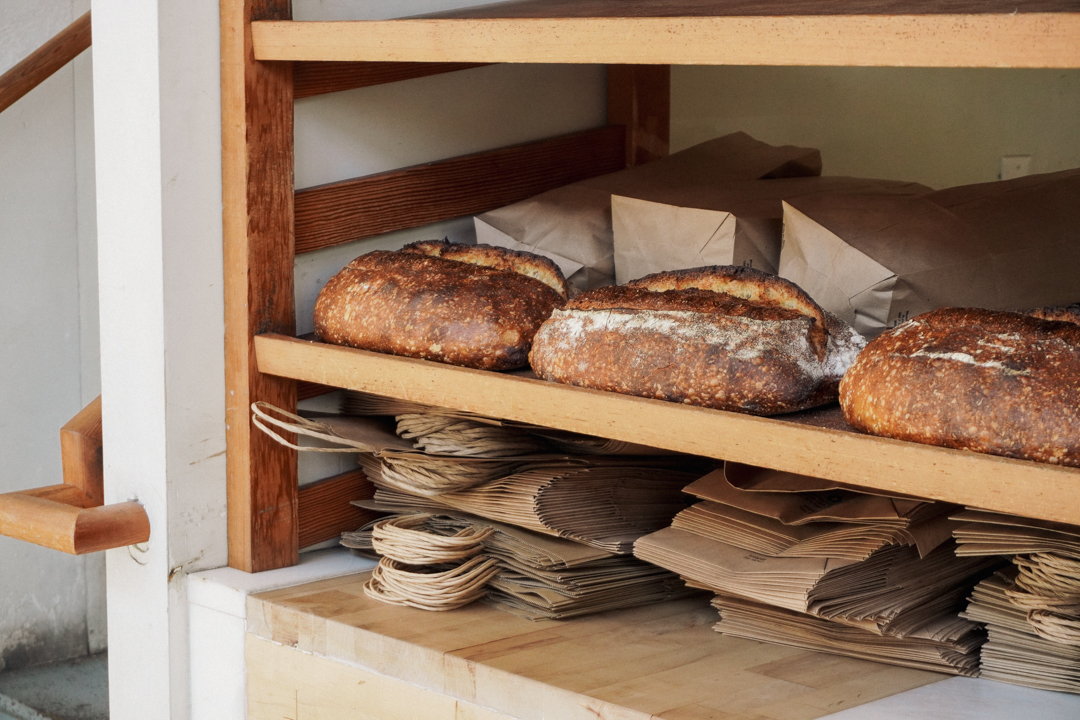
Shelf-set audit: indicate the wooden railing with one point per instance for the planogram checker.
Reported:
(72, 517)
(43, 62)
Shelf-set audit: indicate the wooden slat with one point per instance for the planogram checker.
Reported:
(325, 510)
(318, 78)
(1032, 40)
(995, 483)
(639, 99)
(306, 390)
(342, 212)
(61, 49)
(733, 8)
(257, 166)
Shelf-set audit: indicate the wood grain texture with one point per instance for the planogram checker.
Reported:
(324, 508)
(1032, 40)
(995, 483)
(306, 390)
(639, 99)
(35, 518)
(81, 452)
(705, 8)
(257, 167)
(57, 52)
(318, 78)
(341, 212)
(657, 661)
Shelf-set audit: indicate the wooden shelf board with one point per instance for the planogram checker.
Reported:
(807, 443)
(661, 660)
(1005, 39)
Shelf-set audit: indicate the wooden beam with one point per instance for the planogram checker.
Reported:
(81, 454)
(341, 212)
(318, 78)
(639, 98)
(39, 65)
(257, 180)
(306, 390)
(1022, 40)
(1013, 486)
(325, 508)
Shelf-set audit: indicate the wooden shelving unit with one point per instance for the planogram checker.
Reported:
(265, 219)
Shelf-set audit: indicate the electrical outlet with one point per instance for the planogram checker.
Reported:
(1014, 166)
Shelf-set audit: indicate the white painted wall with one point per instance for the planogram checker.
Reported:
(53, 604)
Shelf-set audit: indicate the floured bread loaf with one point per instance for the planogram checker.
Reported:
(475, 306)
(993, 382)
(730, 338)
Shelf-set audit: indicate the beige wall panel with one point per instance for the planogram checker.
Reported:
(940, 127)
(284, 682)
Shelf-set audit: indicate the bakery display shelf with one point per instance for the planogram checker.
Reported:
(329, 651)
(813, 443)
(900, 33)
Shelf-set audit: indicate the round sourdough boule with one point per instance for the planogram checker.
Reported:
(993, 382)
(424, 306)
(696, 346)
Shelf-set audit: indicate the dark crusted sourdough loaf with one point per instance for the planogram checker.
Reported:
(475, 306)
(993, 382)
(725, 337)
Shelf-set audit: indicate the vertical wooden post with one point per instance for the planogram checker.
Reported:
(639, 97)
(257, 167)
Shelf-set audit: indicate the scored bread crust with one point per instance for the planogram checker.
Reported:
(422, 306)
(693, 346)
(525, 263)
(749, 284)
(992, 382)
(1061, 313)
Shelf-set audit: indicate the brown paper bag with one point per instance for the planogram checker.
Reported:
(733, 223)
(876, 261)
(571, 225)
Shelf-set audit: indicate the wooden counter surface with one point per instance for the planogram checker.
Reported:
(659, 661)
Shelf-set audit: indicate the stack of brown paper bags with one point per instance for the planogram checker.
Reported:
(455, 432)
(948, 644)
(547, 577)
(1014, 653)
(858, 573)
(1034, 609)
(608, 503)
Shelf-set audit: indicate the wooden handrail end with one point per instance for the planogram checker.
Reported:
(110, 526)
(37, 516)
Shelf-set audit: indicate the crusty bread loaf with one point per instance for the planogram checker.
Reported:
(748, 284)
(982, 380)
(418, 304)
(524, 263)
(1062, 313)
(685, 342)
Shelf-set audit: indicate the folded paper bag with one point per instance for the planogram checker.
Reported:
(731, 223)
(571, 225)
(876, 261)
